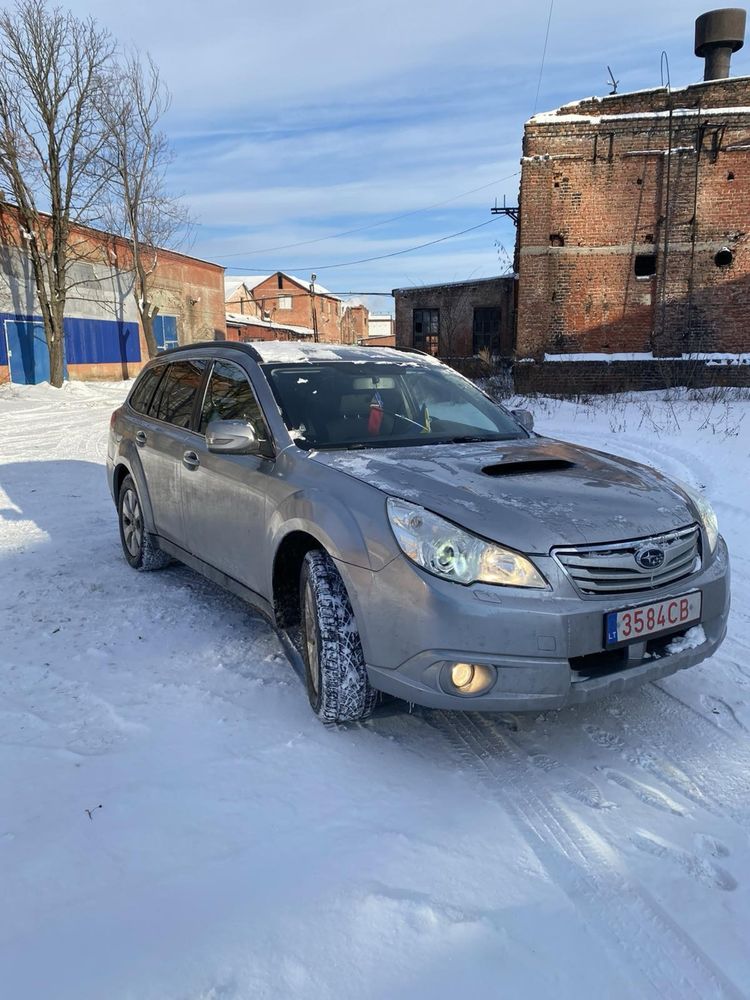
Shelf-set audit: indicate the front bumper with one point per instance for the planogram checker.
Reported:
(547, 647)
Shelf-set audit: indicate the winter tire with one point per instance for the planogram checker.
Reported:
(137, 546)
(335, 671)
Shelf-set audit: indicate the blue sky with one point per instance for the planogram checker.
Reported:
(299, 121)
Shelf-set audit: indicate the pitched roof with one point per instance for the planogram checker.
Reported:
(251, 281)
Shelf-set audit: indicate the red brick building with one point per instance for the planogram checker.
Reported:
(634, 231)
(103, 335)
(284, 299)
(249, 328)
(354, 321)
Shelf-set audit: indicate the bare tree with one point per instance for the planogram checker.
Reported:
(51, 66)
(136, 156)
(453, 322)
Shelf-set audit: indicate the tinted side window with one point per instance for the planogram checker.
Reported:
(177, 391)
(144, 390)
(230, 396)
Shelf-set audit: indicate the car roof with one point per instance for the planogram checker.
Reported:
(293, 352)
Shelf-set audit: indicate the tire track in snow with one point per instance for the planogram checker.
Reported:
(654, 740)
(657, 955)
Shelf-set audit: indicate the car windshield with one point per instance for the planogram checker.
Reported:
(342, 404)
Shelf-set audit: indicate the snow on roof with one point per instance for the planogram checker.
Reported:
(251, 281)
(288, 351)
(554, 117)
(319, 289)
(248, 280)
(239, 319)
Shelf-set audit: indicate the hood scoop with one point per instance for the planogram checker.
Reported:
(524, 467)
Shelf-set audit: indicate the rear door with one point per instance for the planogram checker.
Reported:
(165, 442)
(224, 496)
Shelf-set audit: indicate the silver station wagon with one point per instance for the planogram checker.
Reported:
(408, 535)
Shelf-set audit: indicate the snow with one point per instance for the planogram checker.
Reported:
(710, 357)
(553, 117)
(251, 281)
(242, 319)
(290, 352)
(176, 825)
(693, 638)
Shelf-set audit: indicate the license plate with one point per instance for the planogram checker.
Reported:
(651, 619)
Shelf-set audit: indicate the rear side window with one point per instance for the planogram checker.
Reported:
(145, 387)
(176, 394)
(230, 396)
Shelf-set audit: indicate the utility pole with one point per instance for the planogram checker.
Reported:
(313, 278)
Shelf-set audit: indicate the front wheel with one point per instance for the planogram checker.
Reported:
(335, 671)
(137, 546)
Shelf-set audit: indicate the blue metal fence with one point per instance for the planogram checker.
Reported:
(87, 341)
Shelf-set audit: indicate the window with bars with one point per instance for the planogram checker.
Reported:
(486, 331)
(426, 330)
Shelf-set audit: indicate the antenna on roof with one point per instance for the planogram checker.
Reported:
(612, 82)
(666, 79)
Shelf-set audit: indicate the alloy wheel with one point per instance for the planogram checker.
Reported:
(132, 522)
(311, 638)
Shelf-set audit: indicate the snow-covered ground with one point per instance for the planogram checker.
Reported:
(175, 823)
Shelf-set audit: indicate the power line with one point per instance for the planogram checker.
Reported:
(384, 256)
(544, 55)
(373, 225)
(296, 293)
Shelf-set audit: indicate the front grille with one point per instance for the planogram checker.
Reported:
(612, 568)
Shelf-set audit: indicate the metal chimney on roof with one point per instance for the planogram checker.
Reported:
(718, 34)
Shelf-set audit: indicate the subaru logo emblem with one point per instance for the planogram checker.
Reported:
(649, 557)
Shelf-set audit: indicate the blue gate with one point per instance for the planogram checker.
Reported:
(165, 331)
(28, 354)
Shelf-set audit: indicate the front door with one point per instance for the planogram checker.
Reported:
(224, 496)
(28, 354)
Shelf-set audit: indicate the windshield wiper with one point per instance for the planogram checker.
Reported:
(469, 439)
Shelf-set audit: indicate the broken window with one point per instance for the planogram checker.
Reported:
(426, 330)
(486, 332)
(645, 265)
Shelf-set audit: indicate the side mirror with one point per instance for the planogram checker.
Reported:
(232, 437)
(525, 418)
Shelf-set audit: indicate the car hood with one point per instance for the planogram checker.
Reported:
(530, 494)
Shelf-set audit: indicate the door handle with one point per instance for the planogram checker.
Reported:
(140, 438)
(190, 460)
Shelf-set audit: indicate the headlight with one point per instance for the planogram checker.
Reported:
(705, 512)
(454, 554)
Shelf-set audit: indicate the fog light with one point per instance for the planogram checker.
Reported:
(468, 678)
(462, 674)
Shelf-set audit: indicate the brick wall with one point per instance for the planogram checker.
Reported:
(456, 304)
(354, 324)
(600, 189)
(565, 378)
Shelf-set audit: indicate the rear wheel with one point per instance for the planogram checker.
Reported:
(337, 683)
(137, 546)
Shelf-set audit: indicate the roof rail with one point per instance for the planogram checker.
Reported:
(408, 350)
(234, 344)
